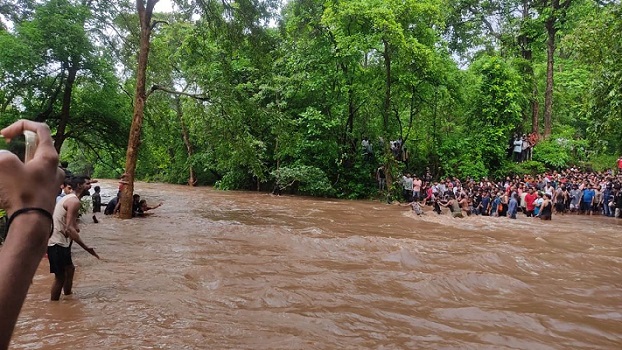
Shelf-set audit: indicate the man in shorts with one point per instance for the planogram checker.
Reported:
(66, 231)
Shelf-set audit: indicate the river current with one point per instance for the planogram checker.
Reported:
(247, 270)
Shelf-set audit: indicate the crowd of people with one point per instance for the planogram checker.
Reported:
(568, 191)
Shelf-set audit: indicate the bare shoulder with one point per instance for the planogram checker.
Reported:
(72, 203)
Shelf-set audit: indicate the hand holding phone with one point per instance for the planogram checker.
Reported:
(34, 180)
(23, 146)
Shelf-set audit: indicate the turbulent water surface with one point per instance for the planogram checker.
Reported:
(244, 270)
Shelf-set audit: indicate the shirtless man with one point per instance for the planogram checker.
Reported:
(454, 207)
(65, 232)
(28, 195)
(464, 204)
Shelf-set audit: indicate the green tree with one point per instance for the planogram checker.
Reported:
(53, 72)
(496, 113)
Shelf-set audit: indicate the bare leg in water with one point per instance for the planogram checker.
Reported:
(57, 286)
(68, 283)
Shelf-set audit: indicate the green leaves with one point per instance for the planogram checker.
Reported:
(306, 180)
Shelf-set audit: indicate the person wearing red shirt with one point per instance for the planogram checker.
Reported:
(530, 199)
(620, 165)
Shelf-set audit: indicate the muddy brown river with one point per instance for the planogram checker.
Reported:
(246, 270)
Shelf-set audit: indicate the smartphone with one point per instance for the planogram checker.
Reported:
(23, 146)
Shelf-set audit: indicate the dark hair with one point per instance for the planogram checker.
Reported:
(97, 189)
(76, 181)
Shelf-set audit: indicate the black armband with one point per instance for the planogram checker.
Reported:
(27, 210)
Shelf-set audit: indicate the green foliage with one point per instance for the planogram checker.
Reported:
(531, 167)
(356, 178)
(461, 157)
(306, 180)
(86, 205)
(495, 115)
(233, 179)
(554, 153)
(601, 162)
(298, 96)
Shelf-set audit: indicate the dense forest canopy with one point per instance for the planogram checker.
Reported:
(313, 96)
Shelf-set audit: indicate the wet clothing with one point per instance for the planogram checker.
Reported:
(110, 206)
(575, 198)
(484, 206)
(513, 208)
(417, 208)
(547, 211)
(59, 258)
(60, 223)
(97, 202)
(59, 245)
(456, 212)
(503, 207)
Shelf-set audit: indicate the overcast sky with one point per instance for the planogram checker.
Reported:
(164, 6)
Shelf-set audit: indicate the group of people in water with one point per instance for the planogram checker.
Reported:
(66, 228)
(139, 206)
(569, 191)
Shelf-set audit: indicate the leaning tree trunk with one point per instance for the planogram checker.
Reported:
(144, 14)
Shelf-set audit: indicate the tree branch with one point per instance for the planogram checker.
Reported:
(154, 88)
(155, 23)
(150, 5)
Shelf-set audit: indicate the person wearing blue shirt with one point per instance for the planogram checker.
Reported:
(588, 199)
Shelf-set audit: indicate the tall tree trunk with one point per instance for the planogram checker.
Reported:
(351, 112)
(385, 112)
(185, 135)
(525, 41)
(550, 57)
(535, 110)
(557, 14)
(351, 106)
(144, 14)
(60, 136)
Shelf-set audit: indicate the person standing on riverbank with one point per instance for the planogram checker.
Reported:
(66, 231)
(381, 178)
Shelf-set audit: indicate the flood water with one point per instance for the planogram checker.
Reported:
(246, 270)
